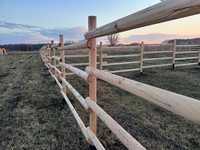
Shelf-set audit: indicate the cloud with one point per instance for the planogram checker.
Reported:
(153, 38)
(11, 33)
(74, 34)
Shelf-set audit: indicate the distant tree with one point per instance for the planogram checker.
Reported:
(113, 39)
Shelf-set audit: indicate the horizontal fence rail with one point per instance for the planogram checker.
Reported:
(164, 11)
(76, 71)
(176, 103)
(58, 66)
(160, 58)
(120, 56)
(122, 134)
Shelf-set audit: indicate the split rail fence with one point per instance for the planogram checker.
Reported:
(184, 106)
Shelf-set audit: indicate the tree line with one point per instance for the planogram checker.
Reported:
(22, 47)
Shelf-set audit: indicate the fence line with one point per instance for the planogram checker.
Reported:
(142, 57)
(167, 102)
(87, 103)
(176, 103)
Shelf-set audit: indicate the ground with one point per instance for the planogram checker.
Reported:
(34, 116)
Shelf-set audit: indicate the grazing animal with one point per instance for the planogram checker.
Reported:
(3, 51)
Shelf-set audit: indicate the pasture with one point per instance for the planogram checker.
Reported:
(34, 115)
(158, 108)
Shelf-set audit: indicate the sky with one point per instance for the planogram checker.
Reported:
(67, 13)
(73, 13)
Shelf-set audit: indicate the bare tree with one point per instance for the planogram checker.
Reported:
(113, 39)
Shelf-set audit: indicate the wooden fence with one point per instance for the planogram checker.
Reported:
(139, 58)
(176, 103)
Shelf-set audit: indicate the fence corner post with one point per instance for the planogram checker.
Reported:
(174, 55)
(141, 57)
(92, 23)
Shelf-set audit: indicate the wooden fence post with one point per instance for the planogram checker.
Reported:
(141, 57)
(48, 52)
(54, 54)
(46, 49)
(199, 57)
(101, 56)
(92, 78)
(174, 55)
(52, 42)
(52, 51)
(62, 57)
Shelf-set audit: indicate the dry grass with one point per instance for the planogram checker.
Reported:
(33, 114)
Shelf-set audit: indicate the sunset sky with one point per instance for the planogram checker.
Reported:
(73, 13)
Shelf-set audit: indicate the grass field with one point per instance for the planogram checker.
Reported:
(33, 114)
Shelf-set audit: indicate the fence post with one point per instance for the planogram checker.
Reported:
(62, 59)
(141, 57)
(48, 49)
(48, 52)
(51, 49)
(101, 56)
(92, 78)
(174, 55)
(54, 54)
(199, 57)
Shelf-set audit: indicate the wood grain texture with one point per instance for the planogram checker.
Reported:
(176, 103)
(92, 23)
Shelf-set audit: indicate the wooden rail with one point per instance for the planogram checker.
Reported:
(120, 56)
(146, 58)
(172, 102)
(75, 93)
(76, 71)
(162, 60)
(122, 134)
(155, 59)
(176, 103)
(121, 63)
(125, 70)
(187, 58)
(157, 52)
(186, 64)
(161, 12)
(187, 52)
